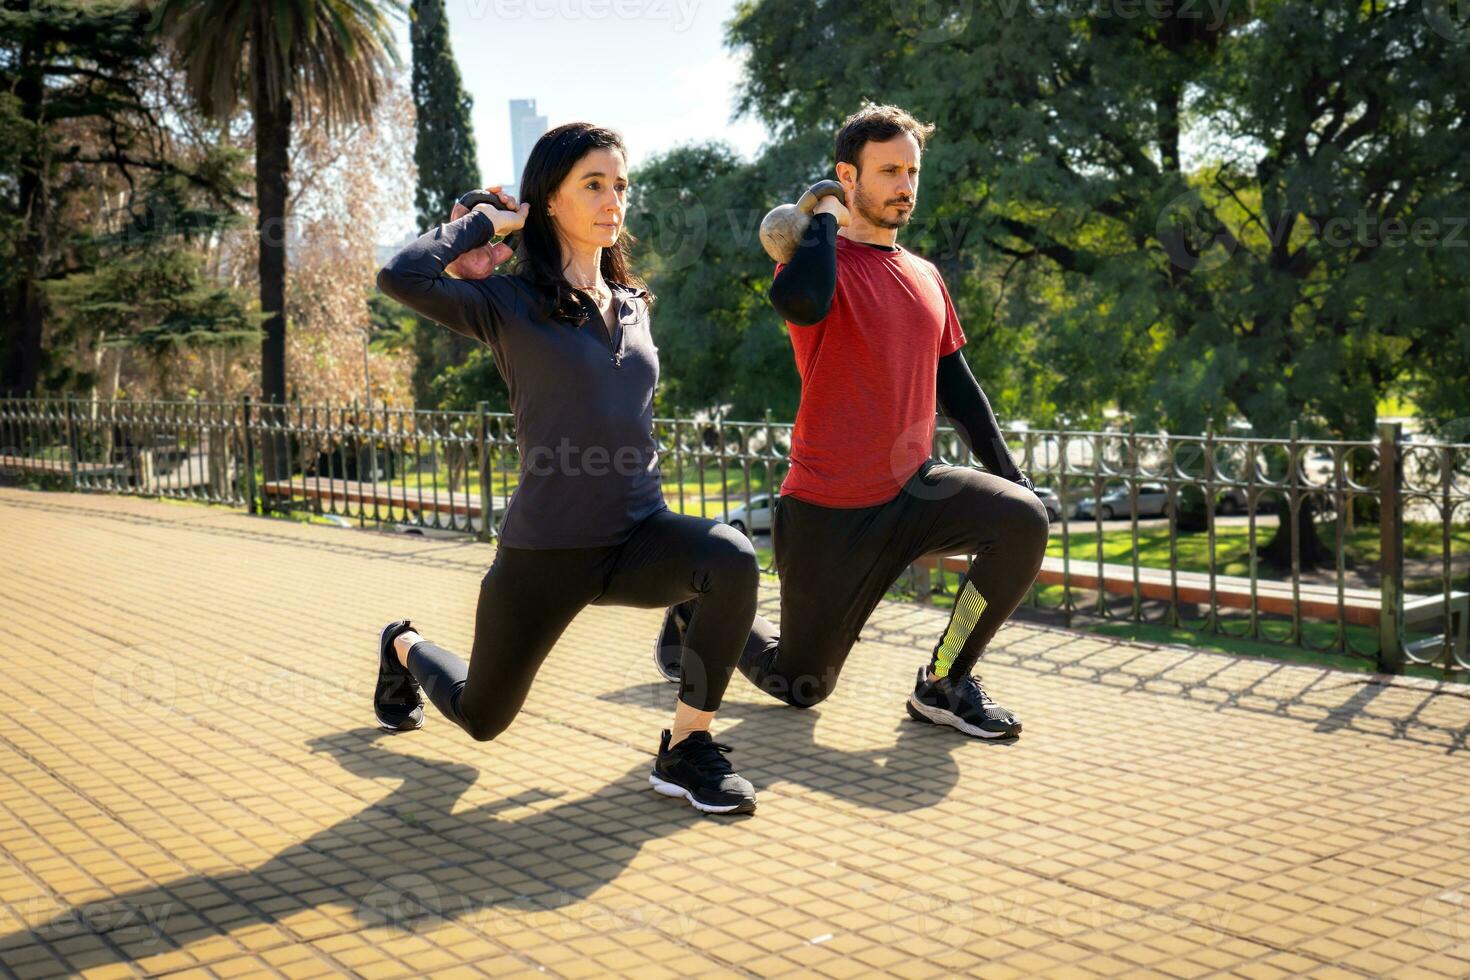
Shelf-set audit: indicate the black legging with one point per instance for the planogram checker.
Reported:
(530, 596)
(835, 565)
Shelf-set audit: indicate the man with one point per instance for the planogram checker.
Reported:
(875, 337)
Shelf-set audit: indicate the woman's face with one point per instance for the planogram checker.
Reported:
(588, 208)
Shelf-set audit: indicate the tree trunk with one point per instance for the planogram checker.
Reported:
(99, 361)
(25, 316)
(1276, 553)
(272, 173)
(216, 440)
(102, 404)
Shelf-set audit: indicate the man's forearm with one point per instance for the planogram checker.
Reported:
(802, 291)
(964, 403)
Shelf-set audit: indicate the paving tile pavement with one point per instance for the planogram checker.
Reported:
(190, 784)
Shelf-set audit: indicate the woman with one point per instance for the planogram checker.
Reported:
(569, 331)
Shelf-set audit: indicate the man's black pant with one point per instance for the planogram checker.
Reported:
(836, 564)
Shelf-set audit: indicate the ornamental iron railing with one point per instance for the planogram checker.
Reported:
(1358, 548)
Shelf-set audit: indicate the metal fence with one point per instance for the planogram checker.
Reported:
(1148, 528)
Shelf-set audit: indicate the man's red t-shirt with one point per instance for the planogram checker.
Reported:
(866, 419)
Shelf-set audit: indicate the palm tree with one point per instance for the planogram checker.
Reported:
(331, 58)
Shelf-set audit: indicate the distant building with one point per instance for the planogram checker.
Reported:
(525, 129)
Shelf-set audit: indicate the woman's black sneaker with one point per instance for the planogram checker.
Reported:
(697, 770)
(396, 700)
(668, 651)
(961, 704)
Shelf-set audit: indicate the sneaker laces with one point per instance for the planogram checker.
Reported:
(706, 756)
(972, 683)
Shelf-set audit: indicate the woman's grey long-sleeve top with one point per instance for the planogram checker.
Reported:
(583, 402)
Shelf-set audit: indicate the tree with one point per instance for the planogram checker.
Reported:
(328, 58)
(343, 188)
(444, 151)
(696, 211)
(144, 283)
(1191, 209)
(81, 136)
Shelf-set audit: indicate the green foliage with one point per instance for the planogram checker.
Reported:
(696, 211)
(15, 132)
(157, 300)
(458, 387)
(333, 57)
(1160, 212)
(390, 322)
(73, 111)
(445, 148)
(450, 372)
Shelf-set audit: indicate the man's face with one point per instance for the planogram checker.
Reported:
(888, 181)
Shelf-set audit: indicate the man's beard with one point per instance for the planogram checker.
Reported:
(865, 206)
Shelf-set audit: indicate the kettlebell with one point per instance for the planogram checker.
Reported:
(783, 225)
(469, 200)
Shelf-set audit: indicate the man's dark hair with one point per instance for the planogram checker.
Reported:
(877, 124)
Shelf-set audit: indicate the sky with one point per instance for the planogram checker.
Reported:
(656, 71)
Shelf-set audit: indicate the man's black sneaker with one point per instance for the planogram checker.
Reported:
(396, 700)
(697, 770)
(961, 704)
(668, 651)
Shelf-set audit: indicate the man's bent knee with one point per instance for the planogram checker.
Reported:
(1033, 523)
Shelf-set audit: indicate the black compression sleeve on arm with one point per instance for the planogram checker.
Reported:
(802, 291)
(415, 277)
(961, 399)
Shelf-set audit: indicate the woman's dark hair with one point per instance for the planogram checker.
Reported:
(877, 124)
(538, 256)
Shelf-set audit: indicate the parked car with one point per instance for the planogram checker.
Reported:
(1231, 501)
(754, 518)
(1153, 501)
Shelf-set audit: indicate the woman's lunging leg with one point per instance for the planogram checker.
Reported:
(527, 599)
(673, 557)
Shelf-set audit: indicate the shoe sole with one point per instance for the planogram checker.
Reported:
(938, 716)
(667, 788)
(386, 726)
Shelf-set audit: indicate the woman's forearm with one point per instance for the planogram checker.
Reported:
(415, 277)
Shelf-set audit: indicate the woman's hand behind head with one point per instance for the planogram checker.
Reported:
(481, 262)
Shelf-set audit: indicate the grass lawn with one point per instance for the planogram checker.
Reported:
(733, 482)
(1422, 540)
(1315, 634)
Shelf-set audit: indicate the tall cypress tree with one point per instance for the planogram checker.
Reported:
(445, 150)
(447, 164)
